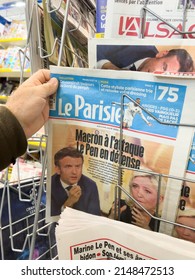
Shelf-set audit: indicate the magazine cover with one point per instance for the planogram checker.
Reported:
(87, 116)
(100, 18)
(150, 19)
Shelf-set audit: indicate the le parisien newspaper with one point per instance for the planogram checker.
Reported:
(150, 19)
(87, 114)
(186, 205)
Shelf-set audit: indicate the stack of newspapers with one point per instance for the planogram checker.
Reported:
(82, 236)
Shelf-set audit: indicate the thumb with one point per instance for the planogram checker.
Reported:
(48, 88)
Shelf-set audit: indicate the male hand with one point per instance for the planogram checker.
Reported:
(74, 195)
(30, 101)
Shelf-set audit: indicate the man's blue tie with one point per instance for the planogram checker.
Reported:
(69, 187)
(132, 67)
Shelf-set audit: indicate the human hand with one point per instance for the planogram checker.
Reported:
(114, 210)
(142, 219)
(29, 103)
(74, 195)
(110, 66)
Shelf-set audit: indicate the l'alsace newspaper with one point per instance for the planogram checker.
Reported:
(159, 19)
(81, 237)
(85, 114)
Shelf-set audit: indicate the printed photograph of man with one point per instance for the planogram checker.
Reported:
(69, 187)
(144, 58)
(130, 112)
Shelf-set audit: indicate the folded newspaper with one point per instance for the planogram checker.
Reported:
(85, 114)
(160, 19)
(82, 236)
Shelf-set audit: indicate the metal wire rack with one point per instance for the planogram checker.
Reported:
(24, 234)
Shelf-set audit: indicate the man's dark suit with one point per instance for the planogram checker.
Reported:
(124, 55)
(88, 202)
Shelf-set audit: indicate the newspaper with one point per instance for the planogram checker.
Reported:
(81, 237)
(123, 53)
(119, 51)
(85, 114)
(80, 20)
(186, 208)
(150, 19)
(191, 163)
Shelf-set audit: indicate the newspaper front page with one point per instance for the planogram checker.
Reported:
(186, 208)
(122, 54)
(85, 114)
(150, 19)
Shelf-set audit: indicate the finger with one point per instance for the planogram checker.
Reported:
(47, 89)
(123, 208)
(43, 75)
(136, 210)
(77, 187)
(39, 77)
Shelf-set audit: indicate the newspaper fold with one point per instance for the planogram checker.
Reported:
(81, 236)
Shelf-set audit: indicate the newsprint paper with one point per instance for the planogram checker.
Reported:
(87, 113)
(120, 52)
(125, 53)
(150, 19)
(186, 209)
(81, 237)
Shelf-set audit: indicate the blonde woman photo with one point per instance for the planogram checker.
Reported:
(148, 194)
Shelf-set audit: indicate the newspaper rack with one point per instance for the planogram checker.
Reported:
(34, 225)
(145, 10)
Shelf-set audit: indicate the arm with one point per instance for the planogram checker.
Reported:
(106, 64)
(144, 118)
(118, 103)
(12, 138)
(25, 112)
(111, 66)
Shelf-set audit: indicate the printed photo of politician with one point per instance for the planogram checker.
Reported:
(70, 187)
(144, 58)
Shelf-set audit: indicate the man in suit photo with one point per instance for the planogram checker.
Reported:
(144, 58)
(69, 187)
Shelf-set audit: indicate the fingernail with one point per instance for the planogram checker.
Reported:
(53, 81)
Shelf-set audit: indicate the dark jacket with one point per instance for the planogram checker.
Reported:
(88, 202)
(126, 217)
(12, 138)
(125, 55)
